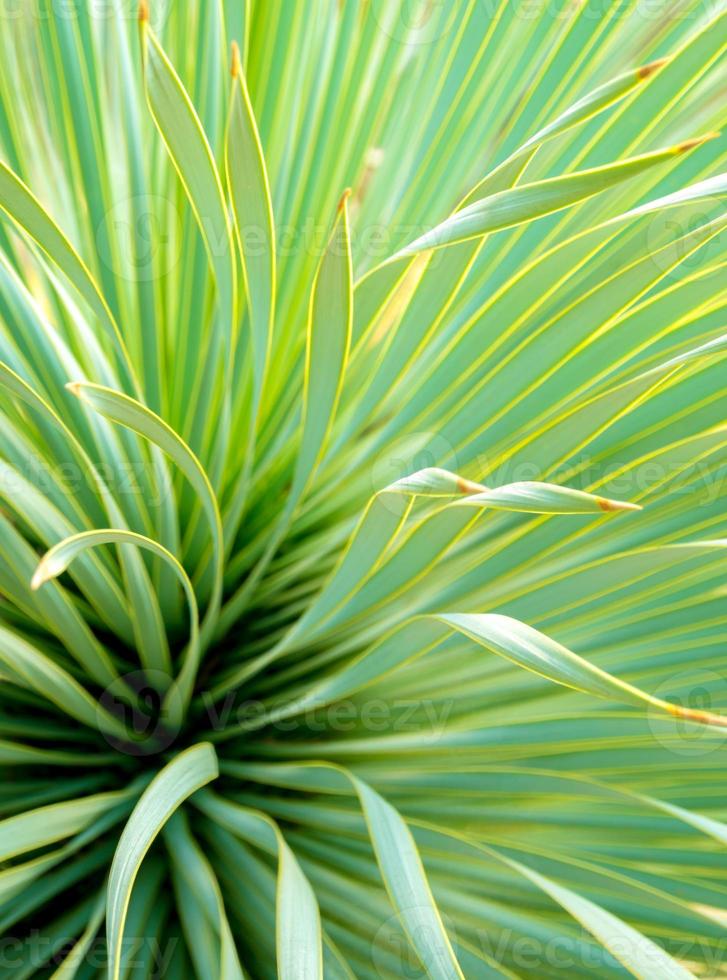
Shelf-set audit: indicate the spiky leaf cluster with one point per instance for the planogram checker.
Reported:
(362, 461)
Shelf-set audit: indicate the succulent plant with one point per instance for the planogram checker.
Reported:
(362, 462)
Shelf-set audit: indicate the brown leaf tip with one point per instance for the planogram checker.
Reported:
(697, 715)
(696, 141)
(74, 387)
(344, 197)
(143, 11)
(469, 486)
(236, 67)
(647, 70)
(605, 504)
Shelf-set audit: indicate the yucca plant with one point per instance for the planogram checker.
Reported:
(362, 468)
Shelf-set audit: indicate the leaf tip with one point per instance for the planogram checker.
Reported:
(686, 145)
(646, 71)
(696, 715)
(613, 505)
(469, 486)
(236, 66)
(143, 11)
(344, 197)
(74, 387)
(41, 575)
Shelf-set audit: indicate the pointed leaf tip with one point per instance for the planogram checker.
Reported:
(646, 71)
(74, 387)
(40, 577)
(697, 715)
(344, 197)
(236, 67)
(144, 11)
(435, 482)
(49, 567)
(695, 141)
(606, 504)
(469, 486)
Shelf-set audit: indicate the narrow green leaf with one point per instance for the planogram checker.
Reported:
(353, 577)
(54, 610)
(405, 878)
(177, 781)
(596, 101)
(49, 523)
(396, 854)
(328, 342)
(17, 754)
(135, 416)
(252, 206)
(59, 557)
(435, 482)
(327, 347)
(49, 824)
(199, 888)
(641, 957)
(530, 201)
(31, 668)
(592, 103)
(527, 497)
(190, 152)
(152, 640)
(545, 498)
(298, 925)
(523, 645)
(20, 204)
